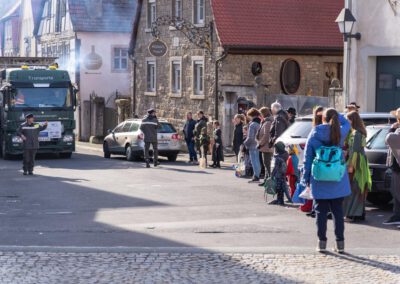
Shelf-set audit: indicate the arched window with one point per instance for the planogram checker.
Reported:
(290, 76)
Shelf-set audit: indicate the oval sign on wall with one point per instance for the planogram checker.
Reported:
(158, 48)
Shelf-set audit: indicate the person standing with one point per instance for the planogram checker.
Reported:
(279, 173)
(352, 107)
(188, 131)
(29, 133)
(218, 153)
(360, 177)
(292, 113)
(328, 195)
(149, 127)
(263, 137)
(237, 134)
(198, 130)
(280, 123)
(393, 161)
(251, 143)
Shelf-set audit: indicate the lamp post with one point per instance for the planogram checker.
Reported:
(346, 21)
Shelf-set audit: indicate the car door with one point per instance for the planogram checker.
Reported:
(123, 136)
(113, 141)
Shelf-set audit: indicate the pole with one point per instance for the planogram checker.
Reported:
(216, 89)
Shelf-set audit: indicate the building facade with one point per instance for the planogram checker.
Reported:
(91, 40)
(375, 59)
(10, 31)
(258, 58)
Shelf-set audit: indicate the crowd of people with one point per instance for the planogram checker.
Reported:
(338, 191)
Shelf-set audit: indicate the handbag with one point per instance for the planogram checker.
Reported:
(299, 189)
(270, 186)
(328, 164)
(306, 194)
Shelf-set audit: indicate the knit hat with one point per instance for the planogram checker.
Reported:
(280, 147)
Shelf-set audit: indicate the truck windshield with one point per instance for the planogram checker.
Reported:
(41, 98)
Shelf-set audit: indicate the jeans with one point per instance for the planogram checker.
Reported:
(191, 149)
(255, 162)
(322, 208)
(267, 157)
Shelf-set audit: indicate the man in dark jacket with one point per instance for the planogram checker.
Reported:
(188, 131)
(201, 123)
(29, 133)
(280, 123)
(149, 128)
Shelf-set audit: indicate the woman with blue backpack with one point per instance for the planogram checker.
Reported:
(325, 172)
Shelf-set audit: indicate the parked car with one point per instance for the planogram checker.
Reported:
(298, 132)
(127, 139)
(376, 151)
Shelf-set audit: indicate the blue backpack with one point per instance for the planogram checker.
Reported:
(328, 164)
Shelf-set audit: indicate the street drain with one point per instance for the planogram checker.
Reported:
(210, 232)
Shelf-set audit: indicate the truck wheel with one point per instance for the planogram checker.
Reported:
(66, 155)
(172, 157)
(379, 198)
(129, 153)
(106, 151)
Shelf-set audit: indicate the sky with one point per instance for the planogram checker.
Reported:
(5, 4)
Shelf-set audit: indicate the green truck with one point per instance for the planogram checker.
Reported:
(49, 95)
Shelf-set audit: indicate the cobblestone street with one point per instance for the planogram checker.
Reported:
(196, 268)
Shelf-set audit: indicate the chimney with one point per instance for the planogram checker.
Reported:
(94, 8)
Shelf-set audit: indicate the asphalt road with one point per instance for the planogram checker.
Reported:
(91, 202)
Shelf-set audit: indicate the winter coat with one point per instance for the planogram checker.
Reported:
(218, 153)
(320, 136)
(250, 142)
(200, 124)
(279, 171)
(188, 129)
(237, 137)
(31, 133)
(263, 136)
(149, 128)
(393, 157)
(279, 125)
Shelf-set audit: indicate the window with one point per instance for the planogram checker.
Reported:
(198, 77)
(151, 12)
(134, 127)
(120, 59)
(126, 127)
(151, 76)
(119, 128)
(198, 12)
(290, 76)
(176, 75)
(61, 11)
(177, 8)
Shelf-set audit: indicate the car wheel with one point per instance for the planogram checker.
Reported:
(379, 198)
(172, 158)
(66, 155)
(106, 151)
(129, 153)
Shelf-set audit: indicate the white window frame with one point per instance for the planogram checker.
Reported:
(120, 57)
(197, 7)
(196, 94)
(173, 91)
(150, 13)
(151, 92)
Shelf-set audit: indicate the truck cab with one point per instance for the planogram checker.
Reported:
(48, 94)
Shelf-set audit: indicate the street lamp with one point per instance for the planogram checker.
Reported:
(346, 21)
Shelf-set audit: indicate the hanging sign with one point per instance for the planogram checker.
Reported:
(158, 48)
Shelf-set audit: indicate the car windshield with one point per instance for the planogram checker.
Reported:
(377, 141)
(299, 129)
(41, 98)
(166, 128)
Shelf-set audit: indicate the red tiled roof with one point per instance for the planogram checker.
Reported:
(306, 24)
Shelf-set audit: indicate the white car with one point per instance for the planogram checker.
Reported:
(127, 139)
(298, 132)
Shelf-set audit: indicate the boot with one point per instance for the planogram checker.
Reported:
(147, 163)
(339, 247)
(321, 247)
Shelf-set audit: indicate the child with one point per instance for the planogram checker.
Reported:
(293, 168)
(279, 173)
(204, 143)
(217, 154)
(245, 155)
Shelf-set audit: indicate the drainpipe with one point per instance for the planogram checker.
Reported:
(134, 64)
(219, 59)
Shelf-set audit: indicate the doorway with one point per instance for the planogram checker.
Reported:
(388, 83)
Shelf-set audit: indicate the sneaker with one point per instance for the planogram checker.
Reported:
(254, 180)
(274, 202)
(321, 246)
(394, 220)
(339, 247)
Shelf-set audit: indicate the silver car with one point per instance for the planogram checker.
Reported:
(127, 139)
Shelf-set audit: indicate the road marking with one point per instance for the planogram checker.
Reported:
(58, 213)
